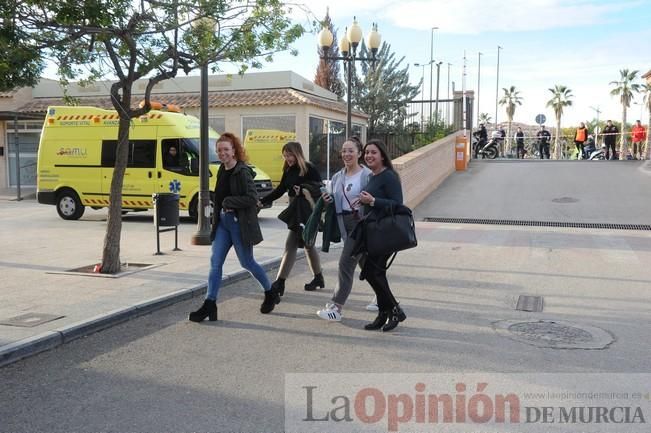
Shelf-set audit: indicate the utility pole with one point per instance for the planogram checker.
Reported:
(497, 85)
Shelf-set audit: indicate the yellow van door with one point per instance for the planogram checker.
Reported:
(140, 176)
(179, 169)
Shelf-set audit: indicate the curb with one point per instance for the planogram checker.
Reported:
(50, 339)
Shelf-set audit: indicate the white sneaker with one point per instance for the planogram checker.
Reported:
(372, 306)
(331, 313)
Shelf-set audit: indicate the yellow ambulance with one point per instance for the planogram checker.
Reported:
(264, 147)
(76, 157)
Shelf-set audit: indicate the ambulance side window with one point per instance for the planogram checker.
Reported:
(108, 153)
(142, 153)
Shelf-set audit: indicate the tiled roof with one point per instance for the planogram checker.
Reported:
(242, 98)
(8, 94)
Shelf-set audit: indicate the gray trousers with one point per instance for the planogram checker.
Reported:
(346, 264)
(289, 257)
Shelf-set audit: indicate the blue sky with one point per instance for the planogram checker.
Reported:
(581, 44)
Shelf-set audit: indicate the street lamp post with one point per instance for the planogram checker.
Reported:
(348, 48)
(202, 235)
(478, 82)
(497, 83)
(436, 104)
(447, 106)
(422, 97)
(431, 71)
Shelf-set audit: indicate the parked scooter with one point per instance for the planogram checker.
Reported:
(591, 152)
(487, 149)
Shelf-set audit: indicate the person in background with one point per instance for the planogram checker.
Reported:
(580, 137)
(544, 138)
(638, 137)
(171, 158)
(235, 224)
(296, 173)
(382, 192)
(610, 139)
(345, 187)
(519, 143)
(482, 137)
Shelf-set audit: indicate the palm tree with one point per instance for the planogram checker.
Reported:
(560, 100)
(511, 98)
(646, 88)
(624, 89)
(484, 118)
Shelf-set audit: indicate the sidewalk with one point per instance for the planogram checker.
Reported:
(54, 307)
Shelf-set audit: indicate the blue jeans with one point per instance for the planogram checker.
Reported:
(228, 234)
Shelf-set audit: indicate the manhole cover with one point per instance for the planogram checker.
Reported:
(30, 320)
(565, 200)
(554, 334)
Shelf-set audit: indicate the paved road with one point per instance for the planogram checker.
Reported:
(161, 373)
(589, 191)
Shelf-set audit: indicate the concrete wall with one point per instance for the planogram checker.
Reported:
(424, 169)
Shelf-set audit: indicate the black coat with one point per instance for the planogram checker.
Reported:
(244, 200)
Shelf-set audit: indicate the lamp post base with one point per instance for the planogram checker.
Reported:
(201, 237)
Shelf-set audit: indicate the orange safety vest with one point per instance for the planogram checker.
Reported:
(580, 134)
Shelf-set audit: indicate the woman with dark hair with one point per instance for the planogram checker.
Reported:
(345, 188)
(299, 177)
(234, 224)
(382, 192)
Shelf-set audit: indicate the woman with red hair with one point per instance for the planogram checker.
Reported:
(235, 224)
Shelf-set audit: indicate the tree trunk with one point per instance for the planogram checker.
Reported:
(111, 252)
(557, 145)
(622, 144)
(508, 135)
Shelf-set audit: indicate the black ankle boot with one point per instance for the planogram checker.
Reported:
(208, 309)
(396, 315)
(271, 298)
(380, 320)
(279, 286)
(315, 283)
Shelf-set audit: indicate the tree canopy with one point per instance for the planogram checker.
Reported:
(327, 73)
(125, 41)
(383, 90)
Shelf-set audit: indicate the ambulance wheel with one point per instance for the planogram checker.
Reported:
(192, 209)
(69, 206)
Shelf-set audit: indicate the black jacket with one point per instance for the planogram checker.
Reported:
(291, 178)
(243, 200)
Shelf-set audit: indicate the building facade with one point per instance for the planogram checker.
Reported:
(281, 102)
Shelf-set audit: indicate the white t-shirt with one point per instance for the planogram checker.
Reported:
(352, 186)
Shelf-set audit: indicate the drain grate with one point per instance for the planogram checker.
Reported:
(30, 320)
(530, 303)
(528, 223)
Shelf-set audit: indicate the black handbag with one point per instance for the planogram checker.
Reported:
(389, 231)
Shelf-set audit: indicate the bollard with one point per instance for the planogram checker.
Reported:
(460, 153)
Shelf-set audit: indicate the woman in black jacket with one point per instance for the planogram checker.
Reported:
(382, 191)
(297, 174)
(235, 224)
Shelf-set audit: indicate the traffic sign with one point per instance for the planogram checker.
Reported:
(540, 119)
